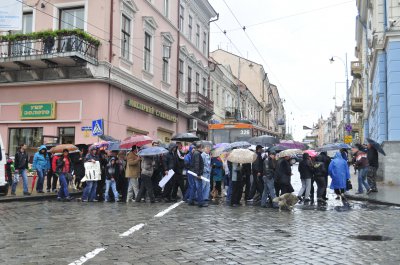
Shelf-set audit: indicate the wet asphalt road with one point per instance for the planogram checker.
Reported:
(51, 232)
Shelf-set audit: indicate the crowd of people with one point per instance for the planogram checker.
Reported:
(199, 176)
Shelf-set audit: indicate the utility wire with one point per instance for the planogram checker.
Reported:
(288, 16)
(259, 53)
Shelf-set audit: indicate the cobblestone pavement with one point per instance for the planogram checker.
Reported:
(51, 232)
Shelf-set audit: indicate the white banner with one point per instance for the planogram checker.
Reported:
(10, 15)
(92, 171)
(165, 179)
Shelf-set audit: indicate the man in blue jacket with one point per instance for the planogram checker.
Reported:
(41, 163)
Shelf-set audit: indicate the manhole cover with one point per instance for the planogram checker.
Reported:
(372, 237)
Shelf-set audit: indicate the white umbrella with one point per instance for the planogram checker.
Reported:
(242, 156)
(290, 152)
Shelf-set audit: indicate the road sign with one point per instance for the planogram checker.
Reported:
(97, 127)
(348, 139)
(348, 127)
(86, 128)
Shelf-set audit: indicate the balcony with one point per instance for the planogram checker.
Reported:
(201, 106)
(356, 69)
(40, 50)
(357, 104)
(231, 113)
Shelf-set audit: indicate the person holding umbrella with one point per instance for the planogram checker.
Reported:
(64, 167)
(147, 169)
(373, 161)
(41, 163)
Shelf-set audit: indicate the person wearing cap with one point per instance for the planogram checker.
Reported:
(64, 168)
(269, 175)
(257, 166)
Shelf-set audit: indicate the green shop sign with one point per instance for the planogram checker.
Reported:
(38, 111)
(140, 106)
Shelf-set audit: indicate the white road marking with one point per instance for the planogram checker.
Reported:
(88, 256)
(173, 206)
(132, 230)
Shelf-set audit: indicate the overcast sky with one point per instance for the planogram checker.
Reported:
(295, 40)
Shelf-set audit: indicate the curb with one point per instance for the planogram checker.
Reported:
(35, 198)
(358, 198)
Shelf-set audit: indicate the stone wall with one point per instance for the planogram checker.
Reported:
(389, 165)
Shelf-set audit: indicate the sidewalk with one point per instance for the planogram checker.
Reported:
(388, 195)
(34, 195)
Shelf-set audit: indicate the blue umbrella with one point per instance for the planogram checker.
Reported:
(153, 151)
(114, 146)
(235, 145)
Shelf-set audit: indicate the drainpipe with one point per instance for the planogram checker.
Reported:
(385, 20)
(110, 56)
(177, 71)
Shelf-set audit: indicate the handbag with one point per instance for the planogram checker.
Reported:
(349, 186)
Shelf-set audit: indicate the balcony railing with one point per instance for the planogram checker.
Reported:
(356, 69)
(203, 101)
(356, 104)
(28, 51)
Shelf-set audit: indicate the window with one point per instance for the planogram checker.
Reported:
(24, 47)
(181, 17)
(181, 88)
(205, 43)
(147, 52)
(66, 135)
(217, 96)
(212, 90)
(198, 36)
(165, 76)
(189, 79)
(204, 87)
(166, 8)
(190, 28)
(32, 137)
(72, 18)
(126, 35)
(197, 82)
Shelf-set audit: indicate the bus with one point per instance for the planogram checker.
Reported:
(236, 131)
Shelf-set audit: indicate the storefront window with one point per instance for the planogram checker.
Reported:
(32, 137)
(66, 135)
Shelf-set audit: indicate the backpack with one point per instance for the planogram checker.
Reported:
(187, 160)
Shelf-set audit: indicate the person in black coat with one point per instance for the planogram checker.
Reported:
(284, 173)
(179, 179)
(373, 161)
(258, 183)
(170, 163)
(79, 169)
(306, 174)
(327, 160)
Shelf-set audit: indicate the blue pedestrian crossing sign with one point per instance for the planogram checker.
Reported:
(97, 127)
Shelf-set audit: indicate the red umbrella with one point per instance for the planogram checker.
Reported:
(137, 140)
(311, 153)
(33, 181)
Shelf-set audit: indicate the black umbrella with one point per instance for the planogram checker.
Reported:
(185, 137)
(108, 138)
(377, 146)
(264, 140)
(277, 148)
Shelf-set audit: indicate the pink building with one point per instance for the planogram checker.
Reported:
(124, 69)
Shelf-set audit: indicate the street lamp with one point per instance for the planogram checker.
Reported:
(332, 59)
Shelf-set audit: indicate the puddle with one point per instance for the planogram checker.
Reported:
(371, 237)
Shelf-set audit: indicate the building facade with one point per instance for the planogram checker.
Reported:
(269, 112)
(117, 61)
(378, 51)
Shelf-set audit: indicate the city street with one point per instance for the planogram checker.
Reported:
(51, 232)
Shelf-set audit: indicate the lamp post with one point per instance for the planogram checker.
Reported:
(347, 113)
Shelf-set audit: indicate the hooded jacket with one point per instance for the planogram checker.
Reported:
(41, 161)
(305, 167)
(339, 172)
(147, 166)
